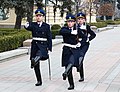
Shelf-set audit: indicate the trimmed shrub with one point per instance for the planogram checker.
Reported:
(110, 22)
(99, 24)
(55, 26)
(54, 33)
(13, 41)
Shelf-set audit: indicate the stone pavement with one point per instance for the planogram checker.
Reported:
(101, 64)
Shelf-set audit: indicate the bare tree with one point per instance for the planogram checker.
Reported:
(106, 10)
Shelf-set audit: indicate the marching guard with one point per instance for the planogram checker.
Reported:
(41, 42)
(90, 35)
(71, 51)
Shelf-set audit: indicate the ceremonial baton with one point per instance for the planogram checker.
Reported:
(49, 68)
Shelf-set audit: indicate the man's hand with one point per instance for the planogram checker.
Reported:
(78, 45)
(26, 24)
(88, 39)
(74, 32)
(49, 51)
(83, 27)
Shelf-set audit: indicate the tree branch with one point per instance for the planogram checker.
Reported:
(52, 2)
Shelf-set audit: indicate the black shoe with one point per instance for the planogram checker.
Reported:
(71, 87)
(32, 66)
(82, 79)
(64, 76)
(38, 83)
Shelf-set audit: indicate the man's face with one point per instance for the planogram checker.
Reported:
(70, 23)
(81, 20)
(39, 18)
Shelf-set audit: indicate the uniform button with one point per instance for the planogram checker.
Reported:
(36, 42)
(42, 32)
(42, 42)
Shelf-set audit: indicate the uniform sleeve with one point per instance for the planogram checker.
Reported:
(29, 26)
(49, 38)
(91, 33)
(82, 36)
(64, 31)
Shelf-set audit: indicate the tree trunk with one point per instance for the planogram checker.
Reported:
(18, 22)
(113, 18)
(54, 14)
(54, 17)
(30, 12)
(104, 18)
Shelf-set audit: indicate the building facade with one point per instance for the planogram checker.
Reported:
(50, 18)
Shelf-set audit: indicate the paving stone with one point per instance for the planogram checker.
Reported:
(101, 66)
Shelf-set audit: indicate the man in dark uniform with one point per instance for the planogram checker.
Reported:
(86, 30)
(70, 53)
(41, 42)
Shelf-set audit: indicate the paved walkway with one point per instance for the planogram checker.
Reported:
(102, 69)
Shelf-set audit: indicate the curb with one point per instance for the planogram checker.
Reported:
(103, 29)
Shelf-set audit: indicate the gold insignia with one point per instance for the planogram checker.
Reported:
(80, 15)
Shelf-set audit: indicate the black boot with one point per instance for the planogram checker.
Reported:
(70, 80)
(81, 73)
(38, 75)
(71, 87)
(34, 61)
(67, 70)
(39, 83)
(80, 64)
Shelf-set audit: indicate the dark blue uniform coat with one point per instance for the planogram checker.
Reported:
(40, 48)
(88, 34)
(68, 51)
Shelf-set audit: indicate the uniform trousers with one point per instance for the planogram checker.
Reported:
(84, 49)
(70, 76)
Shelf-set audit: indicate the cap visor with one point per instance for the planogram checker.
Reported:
(70, 20)
(39, 14)
(80, 17)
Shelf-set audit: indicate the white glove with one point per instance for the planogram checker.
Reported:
(83, 27)
(49, 52)
(88, 39)
(74, 32)
(26, 24)
(78, 45)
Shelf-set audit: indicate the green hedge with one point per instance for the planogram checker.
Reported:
(55, 27)
(99, 24)
(13, 40)
(110, 22)
(54, 33)
(55, 30)
(3, 33)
